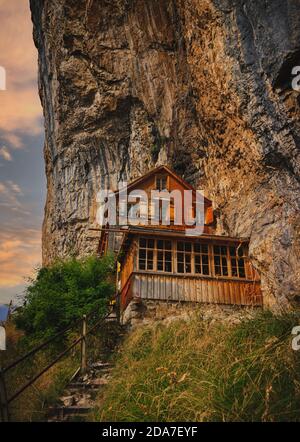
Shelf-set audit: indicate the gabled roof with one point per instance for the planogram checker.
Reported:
(167, 170)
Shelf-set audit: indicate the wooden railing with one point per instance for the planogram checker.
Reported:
(6, 399)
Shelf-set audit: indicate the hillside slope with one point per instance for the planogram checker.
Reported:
(196, 371)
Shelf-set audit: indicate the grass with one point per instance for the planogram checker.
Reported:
(33, 403)
(206, 372)
(58, 296)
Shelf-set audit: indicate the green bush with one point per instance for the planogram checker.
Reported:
(200, 372)
(64, 292)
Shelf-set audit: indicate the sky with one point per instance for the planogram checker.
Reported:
(22, 180)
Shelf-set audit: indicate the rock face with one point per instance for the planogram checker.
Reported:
(204, 86)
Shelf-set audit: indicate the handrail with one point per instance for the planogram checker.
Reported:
(97, 323)
(4, 402)
(15, 395)
(40, 347)
(44, 344)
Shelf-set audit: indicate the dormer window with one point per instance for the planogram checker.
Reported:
(161, 182)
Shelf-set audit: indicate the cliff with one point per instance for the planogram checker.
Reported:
(203, 86)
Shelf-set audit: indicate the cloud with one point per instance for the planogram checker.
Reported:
(9, 188)
(13, 139)
(20, 121)
(20, 254)
(12, 293)
(20, 110)
(9, 197)
(14, 187)
(5, 154)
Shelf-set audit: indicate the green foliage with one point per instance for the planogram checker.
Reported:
(207, 372)
(64, 292)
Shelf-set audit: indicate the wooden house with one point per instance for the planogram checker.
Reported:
(171, 262)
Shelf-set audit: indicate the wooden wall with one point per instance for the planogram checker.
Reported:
(196, 289)
(149, 184)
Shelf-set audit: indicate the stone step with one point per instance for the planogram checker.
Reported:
(80, 395)
(101, 365)
(94, 374)
(95, 383)
(61, 412)
(112, 316)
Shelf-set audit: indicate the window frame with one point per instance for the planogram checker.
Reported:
(201, 254)
(221, 256)
(193, 254)
(185, 253)
(147, 250)
(238, 257)
(164, 251)
(159, 178)
(243, 257)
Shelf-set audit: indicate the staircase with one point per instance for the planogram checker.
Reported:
(80, 395)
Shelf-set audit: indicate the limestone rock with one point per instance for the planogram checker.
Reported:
(204, 86)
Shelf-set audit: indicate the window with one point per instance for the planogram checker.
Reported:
(229, 261)
(195, 258)
(161, 183)
(151, 250)
(201, 259)
(164, 255)
(220, 260)
(237, 262)
(160, 211)
(184, 257)
(146, 254)
(137, 211)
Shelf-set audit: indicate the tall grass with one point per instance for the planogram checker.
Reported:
(33, 403)
(200, 372)
(57, 298)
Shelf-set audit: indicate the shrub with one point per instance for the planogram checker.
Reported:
(64, 292)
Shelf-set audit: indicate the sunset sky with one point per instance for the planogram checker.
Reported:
(22, 181)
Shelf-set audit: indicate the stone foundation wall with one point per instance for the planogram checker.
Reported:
(146, 311)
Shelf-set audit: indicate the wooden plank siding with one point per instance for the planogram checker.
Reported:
(147, 184)
(189, 287)
(168, 263)
(174, 183)
(165, 287)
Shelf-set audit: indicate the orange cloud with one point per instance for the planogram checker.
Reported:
(20, 113)
(9, 196)
(20, 254)
(20, 108)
